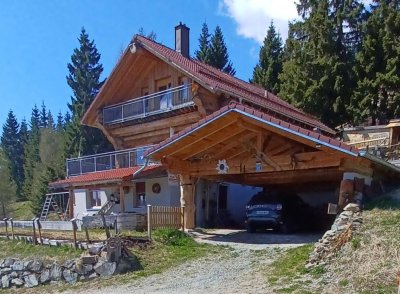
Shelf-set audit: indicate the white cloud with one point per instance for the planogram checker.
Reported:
(254, 16)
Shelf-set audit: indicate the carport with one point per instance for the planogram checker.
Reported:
(242, 145)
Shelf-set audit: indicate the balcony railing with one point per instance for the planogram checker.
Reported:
(159, 102)
(105, 161)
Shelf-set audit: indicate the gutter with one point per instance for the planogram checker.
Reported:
(379, 161)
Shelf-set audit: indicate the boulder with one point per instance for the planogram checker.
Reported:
(31, 281)
(45, 276)
(55, 272)
(83, 269)
(13, 275)
(105, 268)
(69, 276)
(5, 271)
(69, 263)
(8, 262)
(5, 281)
(17, 282)
(18, 265)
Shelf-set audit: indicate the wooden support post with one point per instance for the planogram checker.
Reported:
(116, 226)
(40, 231)
(187, 200)
(183, 218)
(12, 228)
(74, 229)
(6, 226)
(122, 198)
(149, 221)
(34, 241)
(71, 204)
(87, 235)
(103, 218)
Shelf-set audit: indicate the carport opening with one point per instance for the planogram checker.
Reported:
(281, 208)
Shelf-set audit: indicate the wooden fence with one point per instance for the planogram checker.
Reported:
(164, 217)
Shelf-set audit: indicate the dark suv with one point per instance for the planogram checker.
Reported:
(282, 211)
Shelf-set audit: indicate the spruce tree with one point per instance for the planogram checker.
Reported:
(204, 45)
(7, 186)
(32, 157)
(317, 73)
(60, 122)
(43, 116)
(376, 98)
(84, 79)
(67, 119)
(50, 120)
(266, 72)
(218, 53)
(13, 151)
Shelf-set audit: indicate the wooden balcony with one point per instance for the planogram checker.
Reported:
(160, 102)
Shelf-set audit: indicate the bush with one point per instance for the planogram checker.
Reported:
(172, 237)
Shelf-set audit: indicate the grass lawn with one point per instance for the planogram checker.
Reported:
(21, 210)
(22, 250)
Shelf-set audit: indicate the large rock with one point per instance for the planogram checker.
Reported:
(45, 276)
(70, 277)
(55, 272)
(17, 282)
(8, 262)
(31, 281)
(5, 281)
(352, 207)
(127, 264)
(69, 263)
(83, 269)
(5, 271)
(18, 266)
(35, 266)
(105, 268)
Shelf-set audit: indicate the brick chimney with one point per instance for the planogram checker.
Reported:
(182, 39)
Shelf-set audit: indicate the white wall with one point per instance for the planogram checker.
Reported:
(80, 207)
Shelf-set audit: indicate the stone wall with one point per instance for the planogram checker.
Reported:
(98, 261)
(340, 233)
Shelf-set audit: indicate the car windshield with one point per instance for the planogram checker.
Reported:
(264, 197)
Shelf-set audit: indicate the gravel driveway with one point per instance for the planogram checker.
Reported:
(241, 270)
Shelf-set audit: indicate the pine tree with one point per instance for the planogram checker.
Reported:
(23, 134)
(13, 151)
(266, 72)
(204, 45)
(218, 53)
(7, 187)
(43, 116)
(32, 157)
(84, 79)
(317, 73)
(67, 119)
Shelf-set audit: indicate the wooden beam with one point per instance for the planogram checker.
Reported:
(208, 145)
(219, 127)
(233, 144)
(187, 200)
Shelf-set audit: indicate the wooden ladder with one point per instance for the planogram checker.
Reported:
(105, 209)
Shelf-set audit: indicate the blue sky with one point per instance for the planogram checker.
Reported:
(37, 38)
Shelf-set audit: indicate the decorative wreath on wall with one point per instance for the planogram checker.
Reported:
(222, 166)
(156, 188)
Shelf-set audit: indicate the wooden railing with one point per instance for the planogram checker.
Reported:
(164, 217)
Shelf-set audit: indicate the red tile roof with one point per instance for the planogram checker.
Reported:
(233, 106)
(118, 174)
(215, 80)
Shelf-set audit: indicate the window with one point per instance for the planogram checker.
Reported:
(141, 193)
(93, 199)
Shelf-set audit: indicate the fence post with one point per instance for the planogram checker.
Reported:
(74, 229)
(183, 218)
(5, 222)
(12, 228)
(116, 227)
(40, 231)
(34, 231)
(149, 221)
(87, 235)
(105, 225)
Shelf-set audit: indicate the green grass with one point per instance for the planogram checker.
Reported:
(21, 210)
(22, 250)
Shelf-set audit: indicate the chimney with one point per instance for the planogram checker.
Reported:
(182, 39)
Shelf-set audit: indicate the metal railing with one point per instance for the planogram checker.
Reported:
(159, 102)
(106, 161)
